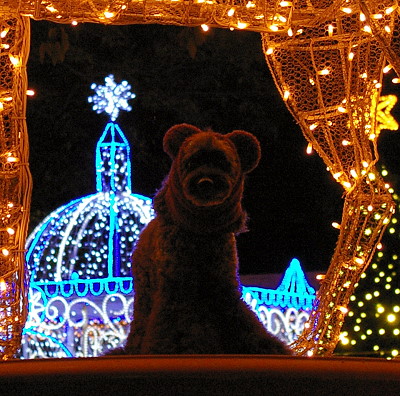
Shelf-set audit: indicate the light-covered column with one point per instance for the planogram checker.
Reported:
(15, 179)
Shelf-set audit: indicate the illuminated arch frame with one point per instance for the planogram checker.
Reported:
(337, 117)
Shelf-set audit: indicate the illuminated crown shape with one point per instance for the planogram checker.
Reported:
(80, 254)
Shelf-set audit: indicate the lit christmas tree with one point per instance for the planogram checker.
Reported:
(372, 326)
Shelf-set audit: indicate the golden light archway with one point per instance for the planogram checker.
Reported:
(327, 58)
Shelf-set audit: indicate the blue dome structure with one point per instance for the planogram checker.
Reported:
(79, 256)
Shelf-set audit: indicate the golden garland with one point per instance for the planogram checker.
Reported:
(327, 58)
(15, 179)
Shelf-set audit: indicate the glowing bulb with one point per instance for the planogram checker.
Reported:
(341, 109)
(362, 17)
(336, 225)
(396, 80)
(387, 68)
(313, 126)
(309, 149)
(205, 27)
(286, 95)
(242, 25)
(330, 30)
(30, 92)
(270, 50)
(359, 260)
(354, 173)
(389, 10)
(346, 142)
(231, 12)
(351, 56)
(274, 28)
(11, 231)
(323, 72)
(51, 9)
(4, 32)
(5, 252)
(285, 3)
(74, 23)
(290, 32)
(367, 29)
(337, 175)
(108, 14)
(343, 310)
(14, 60)
(347, 10)
(3, 285)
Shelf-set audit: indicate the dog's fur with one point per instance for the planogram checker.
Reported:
(185, 266)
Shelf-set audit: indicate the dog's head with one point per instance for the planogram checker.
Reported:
(210, 165)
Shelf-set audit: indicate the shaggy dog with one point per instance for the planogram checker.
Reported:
(185, 266)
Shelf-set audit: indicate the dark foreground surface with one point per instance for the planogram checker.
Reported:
(201, 375)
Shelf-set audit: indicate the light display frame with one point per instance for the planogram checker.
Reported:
(340, 48)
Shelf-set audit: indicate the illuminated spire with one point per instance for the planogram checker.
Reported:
(294, 281)
(113, 163)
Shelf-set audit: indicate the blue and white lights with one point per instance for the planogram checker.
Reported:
(111, 97)
(79, 256)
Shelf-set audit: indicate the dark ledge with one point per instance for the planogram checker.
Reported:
(201, 375)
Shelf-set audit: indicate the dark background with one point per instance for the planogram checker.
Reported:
(217, 79)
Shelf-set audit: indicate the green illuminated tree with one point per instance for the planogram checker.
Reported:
(372, 326)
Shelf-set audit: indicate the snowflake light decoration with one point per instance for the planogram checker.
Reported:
(111, 97)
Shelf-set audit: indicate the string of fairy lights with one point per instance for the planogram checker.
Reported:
(327, 59)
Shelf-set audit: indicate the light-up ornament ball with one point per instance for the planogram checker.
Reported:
(80, 295)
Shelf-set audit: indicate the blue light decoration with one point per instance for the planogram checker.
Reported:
(111, 97)
(285, 310)
(81, 288)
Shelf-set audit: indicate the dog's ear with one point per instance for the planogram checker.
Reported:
(248, 149)
(175, 136)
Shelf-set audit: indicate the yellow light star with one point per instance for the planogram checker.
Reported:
(384, 119)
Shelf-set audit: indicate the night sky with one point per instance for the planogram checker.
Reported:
(217, 79)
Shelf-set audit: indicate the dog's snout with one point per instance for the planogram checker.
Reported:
(205, 182)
